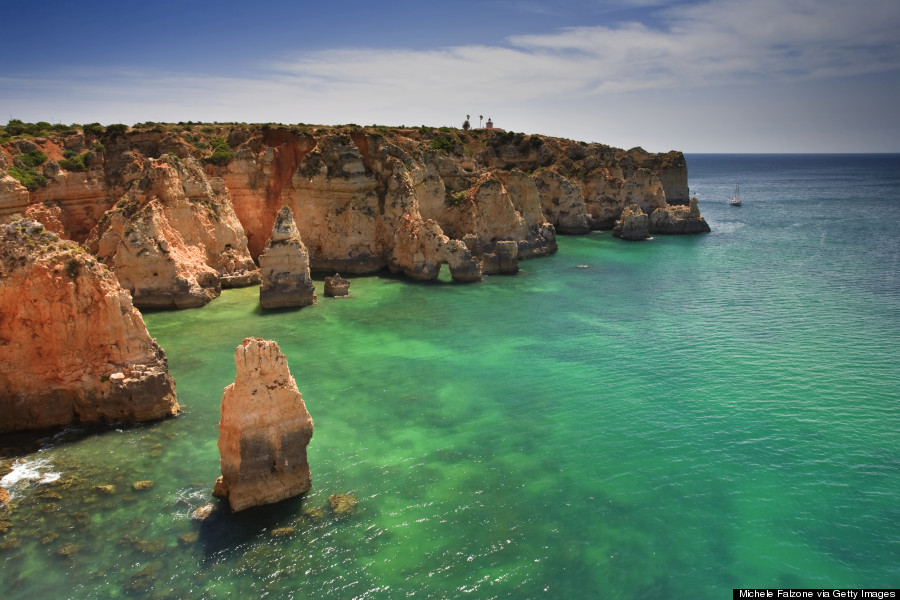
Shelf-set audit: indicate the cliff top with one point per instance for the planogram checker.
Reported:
(25, 147)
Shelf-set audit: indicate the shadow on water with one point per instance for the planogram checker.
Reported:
(225, 531)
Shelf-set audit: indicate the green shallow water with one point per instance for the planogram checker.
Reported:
(663, 419)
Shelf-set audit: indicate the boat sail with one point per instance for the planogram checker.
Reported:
(736, 198)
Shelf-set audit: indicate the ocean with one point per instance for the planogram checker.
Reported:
(663, 419)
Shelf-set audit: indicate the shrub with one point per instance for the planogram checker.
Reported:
(221, 153)
(65, 129)
(443, 143)
(15, 127)
(76, 162)
(18, 127)
(28, 177)
(535, 141)
(93, 129)
(25, 169)
(116, 130)
(32, 159)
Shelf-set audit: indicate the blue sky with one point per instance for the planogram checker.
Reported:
(692, 75)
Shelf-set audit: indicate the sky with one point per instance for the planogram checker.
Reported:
(690, 75)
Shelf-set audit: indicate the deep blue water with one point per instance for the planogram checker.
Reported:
(684, 416)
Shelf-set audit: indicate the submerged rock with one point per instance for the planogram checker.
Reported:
(264, 430)
(284, 267)
(336, 286)
(342, 505)
(189, 538)
(314, 514)
(282, 531)
(68, 550)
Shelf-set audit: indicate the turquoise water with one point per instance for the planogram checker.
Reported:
(665, 419)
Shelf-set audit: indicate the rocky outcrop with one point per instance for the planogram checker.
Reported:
(504, 258)
(607, 195)
(284, 267)
(264, 430)
(633, 224)
(678, 219)
(336, 286)
(73, 349)
(174, 240)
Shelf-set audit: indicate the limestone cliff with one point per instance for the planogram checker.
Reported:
(73, 349)
(284, 267)
(179, 211)
(264, 430)
(173, 240)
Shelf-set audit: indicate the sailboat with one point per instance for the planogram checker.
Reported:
(736, 199)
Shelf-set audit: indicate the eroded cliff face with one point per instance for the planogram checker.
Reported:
(173, 240)
(264, 430)
(178, 212)
(73, 349)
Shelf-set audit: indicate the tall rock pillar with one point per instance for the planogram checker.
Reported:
(285, 267)
(264, 431)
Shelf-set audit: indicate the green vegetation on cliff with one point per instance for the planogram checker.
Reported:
(25, 169)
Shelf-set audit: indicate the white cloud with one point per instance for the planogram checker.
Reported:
(623, 84)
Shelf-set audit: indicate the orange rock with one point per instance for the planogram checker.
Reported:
(73, 348)
(174, 240)
(264, 430)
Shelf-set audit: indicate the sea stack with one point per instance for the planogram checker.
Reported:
(74, 349)
(264, 430)
(285, 266)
